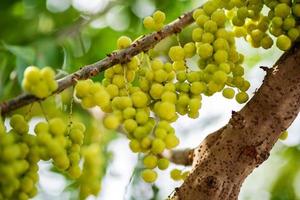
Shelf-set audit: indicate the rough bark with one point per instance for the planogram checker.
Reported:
(224, 159)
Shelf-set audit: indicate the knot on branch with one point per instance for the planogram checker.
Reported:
(249, 152)
(237, 121)
(211, 181)
(158, 36)
(265, 68)
(211, 185)
(176, 29)
(126, 59)
(268, 70)
(252, 154)
(264, 155)
(75, 77)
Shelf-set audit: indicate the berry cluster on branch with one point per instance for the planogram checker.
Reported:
(39, 82)
(143, 95)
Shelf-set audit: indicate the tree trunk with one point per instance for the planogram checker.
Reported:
(225, 158)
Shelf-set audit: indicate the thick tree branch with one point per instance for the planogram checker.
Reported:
(122, 56)
(223, 160)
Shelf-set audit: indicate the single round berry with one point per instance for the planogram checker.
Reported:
(163, 163)
(176, 174)
(176, 53)
(111, 122)
(228, 93)
(149, 175)
(123, 42)
(283, 42)
(284, 135)
(150, 161)
(241, 97)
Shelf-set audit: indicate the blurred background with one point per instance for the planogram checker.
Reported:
(68, 34)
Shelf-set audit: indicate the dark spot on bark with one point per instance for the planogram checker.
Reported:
(249, 151)
(211, 181)
(177, 30)
(262, 157)
(93, 72)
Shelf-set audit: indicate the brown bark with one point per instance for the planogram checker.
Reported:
(224, 159)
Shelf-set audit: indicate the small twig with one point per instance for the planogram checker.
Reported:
(178, 40)
(180, 157)
(28, 112)
(265, 68)
(81, 43)
(43, 111)
(71, 113)
(81, 22)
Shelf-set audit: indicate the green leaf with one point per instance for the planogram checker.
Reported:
(48, 53)
(283, 188)
(4, 72)
(20, 67)
(155, 190)
(67, 59)
(24, 57)
(25, 53)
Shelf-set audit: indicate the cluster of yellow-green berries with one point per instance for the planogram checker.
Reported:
(92, 94)
(39, 82)
(220, 65)
(142, 98)
(219, 62)
(61, 143)
(156, 21)
(153, 146)
(18, 161)
(281, 22)
(53, 140)
(255, 32)
(117, 77)
(284, 19)
(157, 81)
(129, 107)
(90, 179)
(189, 85)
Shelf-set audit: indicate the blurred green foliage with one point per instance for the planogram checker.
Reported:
(33, 35)
(285, 186)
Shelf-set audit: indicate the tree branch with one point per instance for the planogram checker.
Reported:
(223, 160)
(180, 157)
(122, 56)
